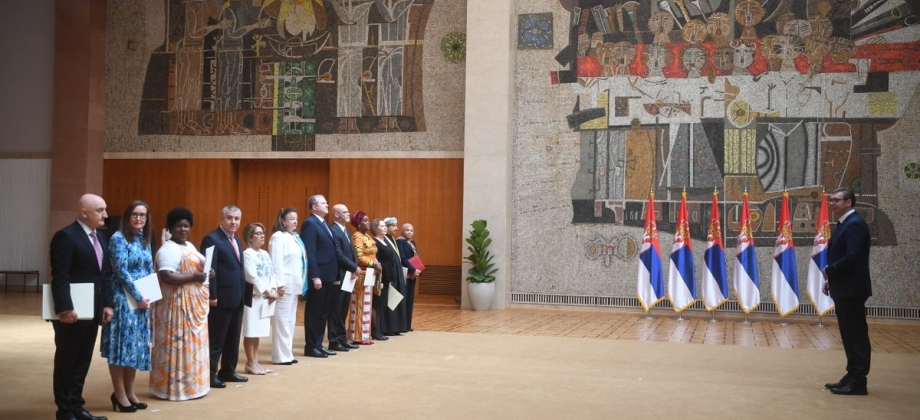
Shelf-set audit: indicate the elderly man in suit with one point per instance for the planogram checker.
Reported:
(348, 262)
(850, 285)
(322, 267)
(225, 318)
(78, 255)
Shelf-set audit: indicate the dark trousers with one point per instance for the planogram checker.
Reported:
(338, 311)
(315, 314)
(410, 301)
(854, 332)
(225, 326)
(73, 353)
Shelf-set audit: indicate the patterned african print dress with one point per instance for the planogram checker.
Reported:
(359, 309)
(180, 329)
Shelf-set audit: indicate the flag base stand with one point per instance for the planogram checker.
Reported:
(782, 322)
(680, 317)
(648, 316)
(713, 320)
(746, 320)
(819, 323)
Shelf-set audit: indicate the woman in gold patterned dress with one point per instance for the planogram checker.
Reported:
(359, 311)
(180, 360)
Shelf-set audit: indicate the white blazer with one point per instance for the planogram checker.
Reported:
(262, 277)
(288, 258)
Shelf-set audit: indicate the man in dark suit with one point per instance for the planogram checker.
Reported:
(850, 285)
(78, 255)
(347, 262)
(225, 318)
(322, 268)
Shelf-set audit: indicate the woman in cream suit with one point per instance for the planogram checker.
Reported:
(257, 265)
(290, 261)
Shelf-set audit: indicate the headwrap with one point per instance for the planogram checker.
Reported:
(389, 221)
(357, 218)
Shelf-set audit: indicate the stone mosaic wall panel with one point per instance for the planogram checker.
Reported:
(733, 95)
(284, 75)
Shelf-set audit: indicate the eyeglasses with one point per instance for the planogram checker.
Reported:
(258, 233)
(834, 200)
(139, 216)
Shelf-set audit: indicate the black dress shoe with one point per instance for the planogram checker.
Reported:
(850, 389)
(327, 351)
(285, 363)
(337, 347)
(837, 384)
(217, 383)
(381, 337)
(82, 414)
(233, 377)
(349, 346)
(64, 415)
(315, 353)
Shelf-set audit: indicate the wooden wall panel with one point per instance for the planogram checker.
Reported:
(266, 186)
(202, 185)
(425, 192)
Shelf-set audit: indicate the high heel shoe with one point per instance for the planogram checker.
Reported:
(116, 406)
(138, 405)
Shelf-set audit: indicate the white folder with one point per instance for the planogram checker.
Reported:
(82, 295)
(268, 309)
(348, 284)
(393, 297)
(149, 286)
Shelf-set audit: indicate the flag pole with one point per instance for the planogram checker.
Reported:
(817, 309)
(713, 320)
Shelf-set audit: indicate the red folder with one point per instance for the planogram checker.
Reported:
(416, 262)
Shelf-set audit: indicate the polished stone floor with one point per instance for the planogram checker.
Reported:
(445, 315)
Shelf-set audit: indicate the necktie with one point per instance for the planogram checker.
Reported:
(98, 248)
(235, 248)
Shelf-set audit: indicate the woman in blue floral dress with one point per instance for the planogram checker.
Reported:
(126, 339)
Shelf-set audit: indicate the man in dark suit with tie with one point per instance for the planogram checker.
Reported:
(322, 268)
(78, 255)
(225, 318)
(347, 262)
(848, 280)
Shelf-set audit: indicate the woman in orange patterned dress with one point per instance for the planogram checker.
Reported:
(359, 311)
(180, 356)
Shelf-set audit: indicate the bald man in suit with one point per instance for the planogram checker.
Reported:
(78, 255)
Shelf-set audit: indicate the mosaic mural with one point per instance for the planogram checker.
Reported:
(759, 95)
(292, 69)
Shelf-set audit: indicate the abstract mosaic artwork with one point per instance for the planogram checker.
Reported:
(744, 95)
(291, 69)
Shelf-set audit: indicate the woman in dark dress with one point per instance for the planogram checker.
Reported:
(391, 322)
(408, 249)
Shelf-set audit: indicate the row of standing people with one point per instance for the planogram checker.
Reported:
(195, 329)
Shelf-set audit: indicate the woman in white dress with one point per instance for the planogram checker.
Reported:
(257, 265)
(290, 261)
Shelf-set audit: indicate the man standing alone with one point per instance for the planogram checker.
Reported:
(850, 285)
(225, 318)
(347, 262)
(78, 255)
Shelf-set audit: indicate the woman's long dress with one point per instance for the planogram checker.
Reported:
(181, 356)
(391, 321)
(126, 339)
(359, 308)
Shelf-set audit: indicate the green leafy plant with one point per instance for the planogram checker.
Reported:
(482, 269)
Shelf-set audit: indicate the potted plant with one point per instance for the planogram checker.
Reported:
(481, 279)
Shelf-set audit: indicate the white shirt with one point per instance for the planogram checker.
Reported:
(842, 218)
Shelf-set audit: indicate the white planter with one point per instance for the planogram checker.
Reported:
(481, 295)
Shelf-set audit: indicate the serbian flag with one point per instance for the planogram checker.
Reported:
(715, 283)
(650, 287)
(785, 279)
(817, 262)
(746, 279)
(682, 277)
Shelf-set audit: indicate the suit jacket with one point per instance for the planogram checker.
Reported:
(73, 260)
(321, 259)
(344, 252)
(229, 284)
(848, 259)
(406, 252)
